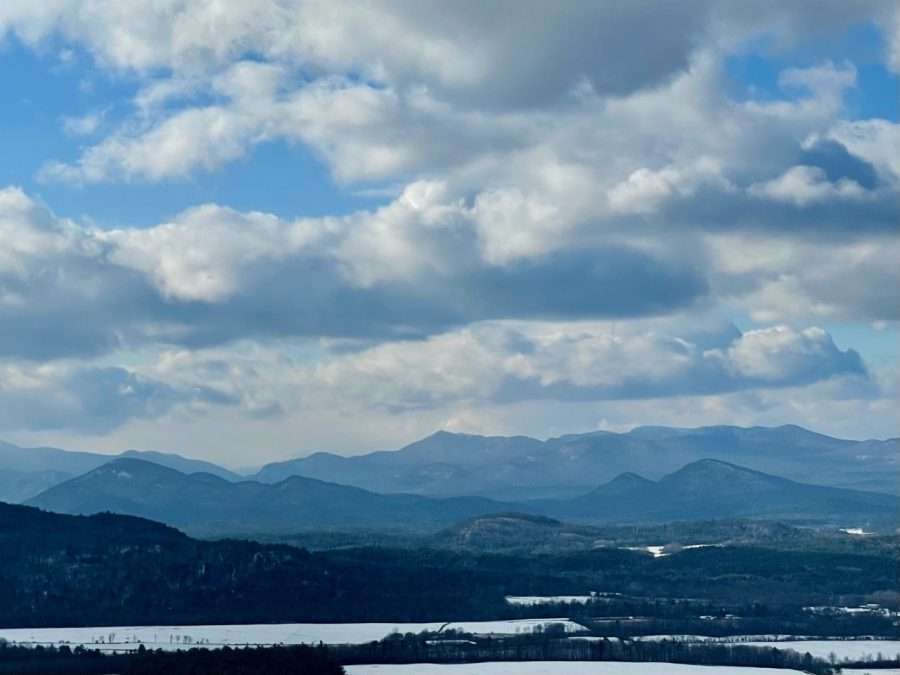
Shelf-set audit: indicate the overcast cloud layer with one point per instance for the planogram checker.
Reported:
(589, 219)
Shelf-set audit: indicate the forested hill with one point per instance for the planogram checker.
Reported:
(58, 570)
(24, 528)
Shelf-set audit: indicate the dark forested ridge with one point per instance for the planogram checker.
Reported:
(59, 570)
(525, 534)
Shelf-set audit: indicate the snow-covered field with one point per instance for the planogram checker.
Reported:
(560, 668)
(126, 638)
(844, 650)
(531, 600)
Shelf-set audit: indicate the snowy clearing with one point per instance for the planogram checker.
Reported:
(127, 638)
(668, 549)
(531, 600)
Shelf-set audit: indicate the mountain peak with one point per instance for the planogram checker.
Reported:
(716, 466)
(712, 462)
(625, 483)
(131, 468)
(444, 435)
(706, 472)
(630, 477)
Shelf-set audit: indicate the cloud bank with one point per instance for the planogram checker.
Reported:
(587, 201)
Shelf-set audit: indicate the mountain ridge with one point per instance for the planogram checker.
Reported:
(513, 468)
(26, 472)
(207, 505)
(497, 466)
(202, 503)
(711, 488)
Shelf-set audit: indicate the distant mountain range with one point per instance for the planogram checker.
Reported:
(26, 472)
(519, 467)
(650, 474)
(204, 504)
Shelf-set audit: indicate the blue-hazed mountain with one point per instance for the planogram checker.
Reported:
(207, 505)
(26, 472)
(713, 489)
(182, 464)
(525, 468)
(203, 504)
(519, 468)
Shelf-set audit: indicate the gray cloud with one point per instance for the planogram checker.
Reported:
(838, 163)
(585, 362)
(548, 176)
(92, 400)
(206, 282)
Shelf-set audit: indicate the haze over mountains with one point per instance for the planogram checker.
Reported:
(525, 468)
(650, 474)
(26, 472)
(204, 504)
(710, 488)
(517, 467)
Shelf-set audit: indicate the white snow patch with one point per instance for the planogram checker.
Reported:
(128, 638)
(668, 549)
(531, 600)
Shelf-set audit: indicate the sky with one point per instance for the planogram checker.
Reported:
(249, 231)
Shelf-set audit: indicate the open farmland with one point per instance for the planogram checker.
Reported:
(130, 638)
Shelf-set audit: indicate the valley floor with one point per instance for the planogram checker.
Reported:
(129, 638)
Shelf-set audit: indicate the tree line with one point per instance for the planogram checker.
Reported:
(293, 660)
(446, 647)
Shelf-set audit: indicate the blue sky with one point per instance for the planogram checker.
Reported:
(754, 70)
(252, 233)
(284, 178)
